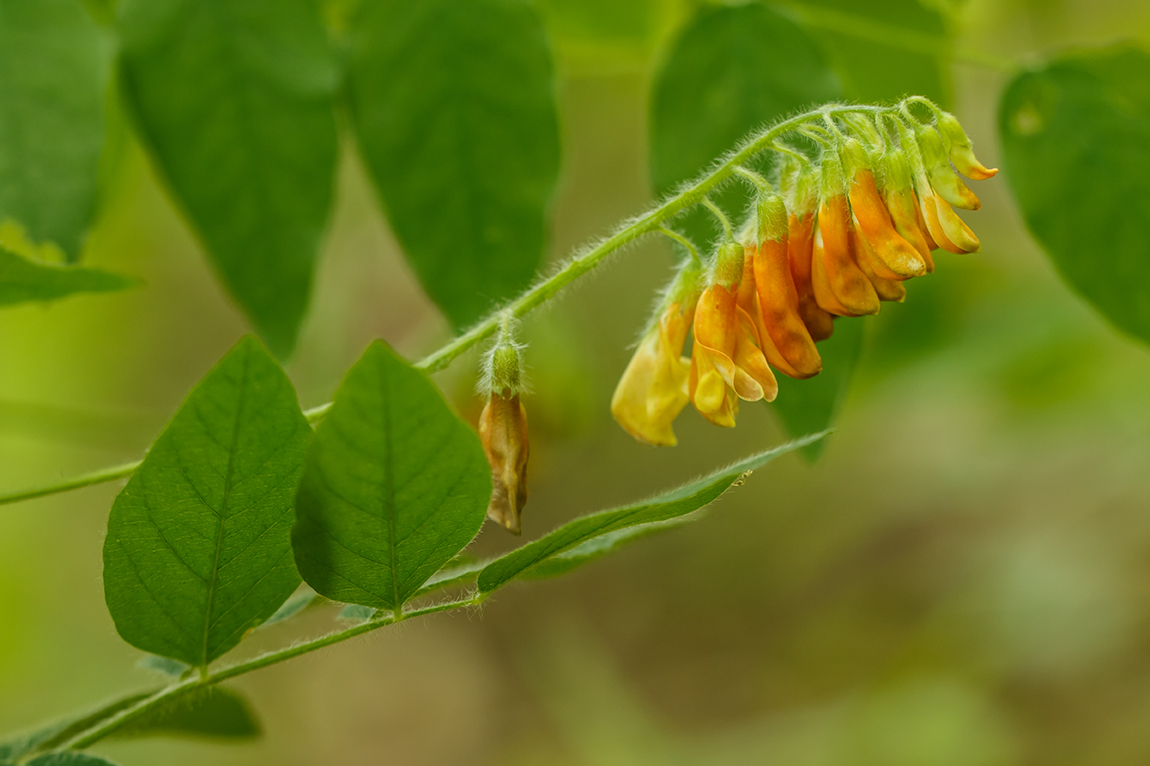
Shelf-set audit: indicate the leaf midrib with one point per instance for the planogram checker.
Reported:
(224, 508)
(389, 488)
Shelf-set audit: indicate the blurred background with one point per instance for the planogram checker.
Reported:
(963, 579)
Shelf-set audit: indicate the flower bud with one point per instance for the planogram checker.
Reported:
(503, 429)
(851, 293)
(945, 181)
(959, 149)
(503, 432)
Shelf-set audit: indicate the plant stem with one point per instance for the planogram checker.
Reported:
(169, 694)
(546, 289)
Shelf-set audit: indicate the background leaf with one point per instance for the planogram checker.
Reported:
(1075, 137)
(198, 550)
(54, 64)
(867, 44)
(210, 712)
(731, 71)
(69, 758)
(58, 732)
(394, 486)
(806, 406)
(23, 280)
(670, 505)
(235, 101)
(453, 102)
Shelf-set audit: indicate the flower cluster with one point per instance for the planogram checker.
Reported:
(851, 222)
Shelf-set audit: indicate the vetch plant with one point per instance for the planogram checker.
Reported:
(247, 511)
(238, 494)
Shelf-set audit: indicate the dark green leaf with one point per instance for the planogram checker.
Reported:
(58, 732)
(69, 758)
(234, 100)
(598, 547)
(1076, 146)
(670, 505)
(811, 405)
(23, 280)
(198, 549)
(54, 64)
(395, 485)
(731, 71)
(453, 102)
(882, 49)
(208, 712)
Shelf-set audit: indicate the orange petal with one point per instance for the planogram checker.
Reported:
(716, 319)
(782, 329)
(899, 258)
(955, 228)
(849, 285)
(709, 392)
(800, 244)
(753, 377)
(928, 204)
(819, 282)
(904, 215)
(868, 261)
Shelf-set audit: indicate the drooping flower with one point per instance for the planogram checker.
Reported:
(727, 362)
(959, 149)
(653, 389)
(799, 186)
(769, 295)
(902, 205)
(503, 430)
(943, 179)
(840, 285)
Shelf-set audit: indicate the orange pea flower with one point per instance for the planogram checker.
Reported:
(840, 285)
(772, 299)
(946, 183)
(727, 362)
(895, 258)
(653, 389)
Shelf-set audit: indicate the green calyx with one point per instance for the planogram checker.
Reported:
(728, 268)
(771, 212)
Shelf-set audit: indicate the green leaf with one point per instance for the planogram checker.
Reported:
(453, 103)
(882, 49)
(234, 100)
(670, 505)
(69, 758)
(209, 712)
(1076, 148)
(730, 72)
(811, 405)
(198, 550)
(395, 485)
(54, 64)
(59, 732)
(598, 547)
(23, 280)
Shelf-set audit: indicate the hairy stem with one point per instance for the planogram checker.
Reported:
(544, 290)
(170, 694)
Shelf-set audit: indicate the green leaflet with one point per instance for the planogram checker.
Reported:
(453, 104)
(23, 280)
(234, 99)
(855, 36)
(1075, 136)
(811, 405)
(395, 485)
(209, 712)
(732, 70)
(598, 547)
(58, 732)
(69, 758)
(198, 550)
(54, 64)
(581, 531)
